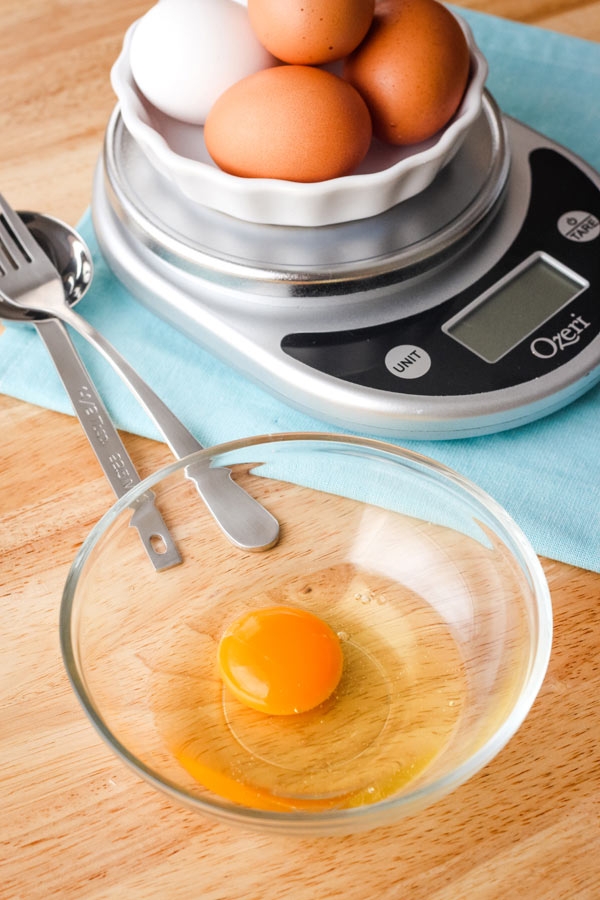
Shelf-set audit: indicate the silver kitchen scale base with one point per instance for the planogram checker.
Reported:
(343, 321)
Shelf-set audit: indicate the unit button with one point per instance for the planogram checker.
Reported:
(407, 361)
(578, 226)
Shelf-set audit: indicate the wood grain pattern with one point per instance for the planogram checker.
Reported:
(583, 21)
(74, 822)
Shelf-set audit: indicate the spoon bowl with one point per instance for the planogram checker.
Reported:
(68, 253)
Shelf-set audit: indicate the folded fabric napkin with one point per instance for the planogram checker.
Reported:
(546, 474)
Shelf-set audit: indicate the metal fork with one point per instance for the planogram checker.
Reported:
(29, 280)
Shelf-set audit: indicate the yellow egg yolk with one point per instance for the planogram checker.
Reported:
(280, 660)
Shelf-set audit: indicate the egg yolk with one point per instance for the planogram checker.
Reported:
(280, 660)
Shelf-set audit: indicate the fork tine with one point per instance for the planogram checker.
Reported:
(15, 236)
(10, 256)
(7, 263)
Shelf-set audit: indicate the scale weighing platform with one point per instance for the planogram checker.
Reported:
(470, 308)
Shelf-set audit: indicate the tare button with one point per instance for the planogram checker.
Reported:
(407, 361)
(579, 226)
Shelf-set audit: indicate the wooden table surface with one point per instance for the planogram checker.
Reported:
(75, 823)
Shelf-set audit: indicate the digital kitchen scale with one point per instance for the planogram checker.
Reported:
(471, 308)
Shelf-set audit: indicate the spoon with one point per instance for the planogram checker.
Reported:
(29, 281)
(87, 403)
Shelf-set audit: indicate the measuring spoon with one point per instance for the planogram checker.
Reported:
(244, 521)
(87, 403)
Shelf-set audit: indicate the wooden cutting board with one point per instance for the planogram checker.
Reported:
(75, 823)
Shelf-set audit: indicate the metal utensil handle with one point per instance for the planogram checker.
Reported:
(181, 441)
(105, 441)
(256, 528)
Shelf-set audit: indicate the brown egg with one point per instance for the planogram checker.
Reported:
(411, 69)
(310, 32)
(291, 122)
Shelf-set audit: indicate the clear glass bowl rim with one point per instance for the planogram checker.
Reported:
(356, 817)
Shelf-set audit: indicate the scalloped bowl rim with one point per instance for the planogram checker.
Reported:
(134, 115)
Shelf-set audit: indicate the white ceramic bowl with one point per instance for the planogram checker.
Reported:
(387, 176)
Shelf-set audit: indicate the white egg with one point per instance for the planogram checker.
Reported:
(186, 53)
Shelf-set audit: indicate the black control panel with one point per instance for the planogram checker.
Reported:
(416, 355)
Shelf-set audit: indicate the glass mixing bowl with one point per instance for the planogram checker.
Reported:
(437, 598)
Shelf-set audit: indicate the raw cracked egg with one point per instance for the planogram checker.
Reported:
(185, 53)
(291, 122)
(310, 32)
(280, 660)
(411, 69)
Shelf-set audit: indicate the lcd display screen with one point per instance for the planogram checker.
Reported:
(515, 307)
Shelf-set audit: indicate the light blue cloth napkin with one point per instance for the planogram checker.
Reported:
(546, 474)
